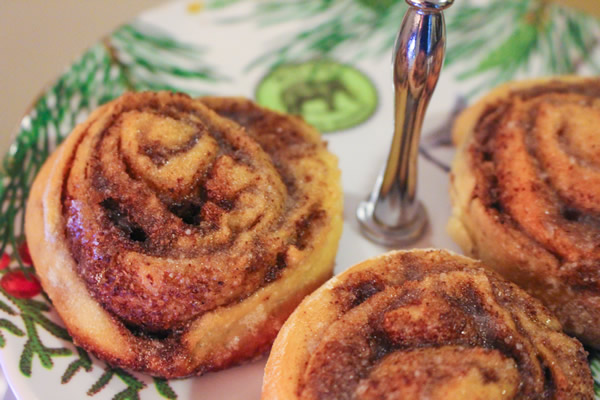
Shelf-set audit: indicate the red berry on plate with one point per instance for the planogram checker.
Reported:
(4, 261)
(24, 253)
(17, 284)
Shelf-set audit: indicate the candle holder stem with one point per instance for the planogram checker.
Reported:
(393, 215)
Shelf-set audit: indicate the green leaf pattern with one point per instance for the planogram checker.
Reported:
(517, 36)
(508, 36)
(162, 387)
(138, 57)
(349, 31)
(83, 361)
(131, 392)
(135, 57)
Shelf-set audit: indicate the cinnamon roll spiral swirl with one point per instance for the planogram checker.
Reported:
(175, 235)
(526, 193)
(424, 324)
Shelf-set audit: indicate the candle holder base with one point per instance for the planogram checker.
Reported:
(390, 236)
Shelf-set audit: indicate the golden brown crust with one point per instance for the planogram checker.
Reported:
(424, 324)
(525, 189)
(174, 241)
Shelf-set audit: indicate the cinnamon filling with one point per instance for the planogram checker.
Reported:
(535, 157)
(172, 211)
(456, 333)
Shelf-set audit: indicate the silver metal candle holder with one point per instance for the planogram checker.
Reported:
(393, 215)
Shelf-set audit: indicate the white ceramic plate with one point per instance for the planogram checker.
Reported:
(258, 49)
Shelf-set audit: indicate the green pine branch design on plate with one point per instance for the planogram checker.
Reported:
(31, 312)
(133, 384)
(148, 60)
(595, 367)
(8, 325)
(132, 58)
(162, 387)
(83, 361)
(516, 36)
(135, 57)
(504, 37)
(353, 29)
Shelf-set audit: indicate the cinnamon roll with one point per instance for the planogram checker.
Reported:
(424, 324)
(175, 235)
(525, 188)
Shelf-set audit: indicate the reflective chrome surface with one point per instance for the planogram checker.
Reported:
(430, 4)
(393, 215)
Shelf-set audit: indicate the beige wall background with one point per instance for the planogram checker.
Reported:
(40, 38)
(591, 6)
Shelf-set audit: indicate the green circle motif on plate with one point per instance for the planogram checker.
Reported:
(329, 95)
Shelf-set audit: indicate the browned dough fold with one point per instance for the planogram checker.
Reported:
(526, 193)
(175, 235)
(424, 324)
